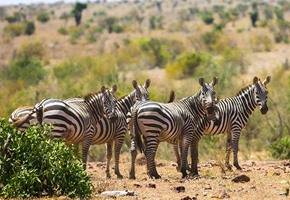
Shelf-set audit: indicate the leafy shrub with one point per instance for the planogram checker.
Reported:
(29, 28)
(33, 49)
(14, 30)
(62, 31)
(261, 43)
(43, 17)
(207, 17)
(184, 65)
(118, 28)
(35, 165)
(29, 70)
(210, 38)
(156, 48)
(280, 149)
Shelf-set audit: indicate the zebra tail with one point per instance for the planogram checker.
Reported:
(136, 132)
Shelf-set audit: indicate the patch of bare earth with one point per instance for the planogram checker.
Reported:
(257, 180)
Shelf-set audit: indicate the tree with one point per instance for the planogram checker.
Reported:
(77, 12)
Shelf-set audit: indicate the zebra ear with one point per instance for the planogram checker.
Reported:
(103, 89)
(267, 80)
(214, 81)
(114, 89)
(147, 83)
(201, 81)
(135, 84)
(255, 80)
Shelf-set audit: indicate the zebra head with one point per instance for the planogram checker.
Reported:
(207, 97)
(261, 93)
(141, 93)
(109, 101)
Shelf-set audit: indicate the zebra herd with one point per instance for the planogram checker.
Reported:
(100, 118)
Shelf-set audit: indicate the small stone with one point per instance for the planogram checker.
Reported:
(241, 179)
(179, 189)
(151, 185)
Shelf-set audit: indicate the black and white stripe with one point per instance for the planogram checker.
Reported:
(74, 119)
(114, 133)
(182, 120)
(234, 113)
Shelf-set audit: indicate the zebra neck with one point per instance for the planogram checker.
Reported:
(193, 105)
(95, 105)
(124, 104)
(246, 98)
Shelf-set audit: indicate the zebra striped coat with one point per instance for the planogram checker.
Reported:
(234, 114)
(172, 122)
(74, 119)
(114, 133)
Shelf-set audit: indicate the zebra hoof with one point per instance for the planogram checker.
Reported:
(132, 177)
(119, 176)
(193, 176)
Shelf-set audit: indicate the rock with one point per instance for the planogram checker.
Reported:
(137, 185)
(179, 189)
(241, 179)
(116, 193)
(151, 185)
(188, 198)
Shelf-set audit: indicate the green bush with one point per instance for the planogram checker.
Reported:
(29, 28)
(62, 31)
(184, 65)
(35, 165)
(281, 148)
(207, 17)
(29, 70)
(14, 30)
(43, 17)
(33, 49)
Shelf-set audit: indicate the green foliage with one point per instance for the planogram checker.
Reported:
(155, 22)
(109, 23)
(280, 149)
(34, 165)
(33, 49)
(184, 65)
(156, 48)
(43, 17)
(207, 17)
(62, 30)
(29, 28)
(210, 39)
(29, 70)
(254, 17)
(77, 12)
(14, 30)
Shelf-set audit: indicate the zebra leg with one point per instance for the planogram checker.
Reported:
(178, 160)
(185, 146)
(118, 145)
(235, 146)
(150, 152)
(86, 146)
(228, 151)
(194, 159)
(133, 158)
(109, 146)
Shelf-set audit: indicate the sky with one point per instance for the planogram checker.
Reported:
(16, 2)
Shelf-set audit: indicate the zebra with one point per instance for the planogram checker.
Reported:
(74, 119)
(130, 126)
(180, 121)
(114, 133)
(19, 113)
(234, 113)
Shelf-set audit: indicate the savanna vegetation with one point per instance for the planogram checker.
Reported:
(68, 50)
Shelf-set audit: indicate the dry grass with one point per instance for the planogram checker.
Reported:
(268, 180)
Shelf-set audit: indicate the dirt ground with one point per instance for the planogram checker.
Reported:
(259, 180)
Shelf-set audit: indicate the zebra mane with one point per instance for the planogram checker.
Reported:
(90, 96)
(244, 89)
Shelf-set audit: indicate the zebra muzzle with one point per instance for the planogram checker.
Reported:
(264, 109)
